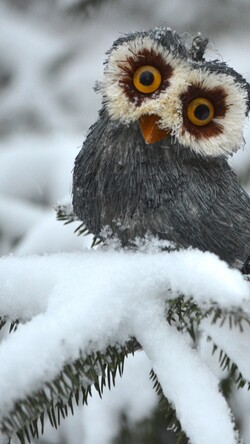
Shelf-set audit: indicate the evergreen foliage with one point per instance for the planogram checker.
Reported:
(171, 420)
(73, 385)
(187, 316)
(76, 381)
(98, 369)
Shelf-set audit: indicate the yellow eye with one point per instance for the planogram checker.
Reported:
(147, 79)
(200, 111)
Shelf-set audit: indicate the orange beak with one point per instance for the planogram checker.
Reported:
(150, 129)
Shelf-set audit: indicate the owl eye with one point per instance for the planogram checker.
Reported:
(200, 111)
(147, 79)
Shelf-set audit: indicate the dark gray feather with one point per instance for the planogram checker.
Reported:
(162, 189)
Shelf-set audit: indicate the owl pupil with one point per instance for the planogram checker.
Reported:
(202, 112)
(146, 78)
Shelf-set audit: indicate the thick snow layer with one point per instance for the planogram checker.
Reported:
(190, 272)
(186, 381)
(89, 300)
(53, 61)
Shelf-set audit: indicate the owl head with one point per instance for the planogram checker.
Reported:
(161, 81)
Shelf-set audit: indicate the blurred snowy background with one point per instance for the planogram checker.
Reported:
(51, 54)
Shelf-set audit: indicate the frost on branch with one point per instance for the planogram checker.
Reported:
(80, 314)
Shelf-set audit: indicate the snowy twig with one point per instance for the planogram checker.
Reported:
(77, 307)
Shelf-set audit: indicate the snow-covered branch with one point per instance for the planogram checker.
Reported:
(76, 304)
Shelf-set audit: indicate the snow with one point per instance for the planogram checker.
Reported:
(35, 172)
(13, 210)
(186, 381)
(120, 400)
(38, 169)
(241, 407)
(52, 236)
(51, 61)
(89, 300)
(233, 342)
(102, 416)
(118, 273)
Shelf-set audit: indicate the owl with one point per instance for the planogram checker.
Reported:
(155, 161)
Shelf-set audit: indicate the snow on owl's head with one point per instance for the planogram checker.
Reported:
(162, 82)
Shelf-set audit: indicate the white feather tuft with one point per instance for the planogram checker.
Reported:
(168, 105)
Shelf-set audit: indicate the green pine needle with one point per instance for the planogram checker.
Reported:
(227, 365)
(171, 420)
(187, 315)
(73, 385)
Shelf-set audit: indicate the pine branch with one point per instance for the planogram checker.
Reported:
(56, 398)
(73, 384)
(171, 420)
(187, 315)
(13, 324)
(226, 364)
(66, 214)
(2, 322)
